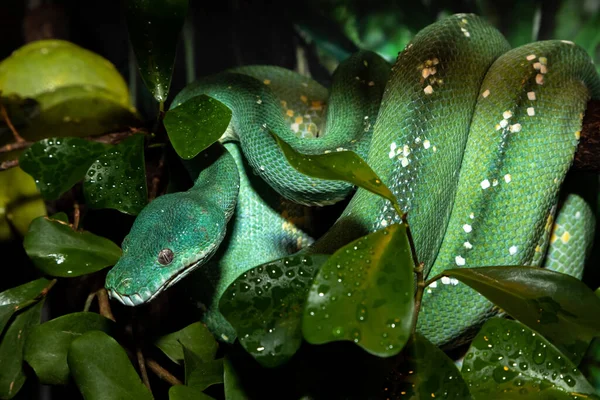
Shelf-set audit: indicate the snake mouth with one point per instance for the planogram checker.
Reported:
(145, 295)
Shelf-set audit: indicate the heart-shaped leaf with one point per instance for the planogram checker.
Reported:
(101, 369)
(507, 360)
(58, 250)
(423, 371)
(57, 164)
(12, 375)
(154, 27)
(342, 165)
(561, 308)
(365, 293)
(265, 305)
(117, 178)
(181, 392)
(48, 344)
(196, 124)
(195, 337)
(15, 299)
(200, 373)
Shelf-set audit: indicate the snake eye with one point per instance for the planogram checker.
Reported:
(165, 256)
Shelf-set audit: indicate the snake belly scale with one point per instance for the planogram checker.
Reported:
(473, 138)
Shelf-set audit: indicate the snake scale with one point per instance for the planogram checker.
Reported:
(472, 137)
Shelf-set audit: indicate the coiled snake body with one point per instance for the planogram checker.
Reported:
(473, 138)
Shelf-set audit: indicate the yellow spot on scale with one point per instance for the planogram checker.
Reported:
(553, 238)
(565, 237)
(267, 82)
(290, 113)
(577, 135)
(316, 105)
(538, 249)
(298, 120)
(304, 98)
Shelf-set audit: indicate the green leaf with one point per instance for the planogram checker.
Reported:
(57, 164)
(265, 305)
(364, 293)
(199, 373)
(342, 165)
(12, 375)
(507, 360)
(423, 371)
(60, 216)
(117, 178)
(233, 387)
(101, 369)
(14, 299)
(58, 250)
(195, 337)
(79, 110)
(20, 202)
(154, 27)
(181, 392)
(47, 346)
(561, 308)
(196, 124)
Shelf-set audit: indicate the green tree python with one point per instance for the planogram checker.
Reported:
(473, 138)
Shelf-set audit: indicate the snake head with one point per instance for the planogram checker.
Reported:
(172, 236)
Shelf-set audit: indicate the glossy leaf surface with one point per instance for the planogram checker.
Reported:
(57, 164)
(154, 27)
(265, 305)
(117, 178)
(561, 308)
(342, 165)
(364, 293)
(196, 124)
(57, 250)
(507, 360)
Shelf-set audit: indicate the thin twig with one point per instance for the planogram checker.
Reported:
(162, 373)
(4, 165)
(419, 296)
(76, 215)
(15, 146)
(12, 128)
(156, 178)
(104, 304)
(88, 301)
(142, 364)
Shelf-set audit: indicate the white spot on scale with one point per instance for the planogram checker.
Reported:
(531, 95)
(445, 280)
(577, 215)
(486, 93)
(507, 178)
(433, 285)
(485, 184)
(472, 215)
(460, 261)
(404, 162)
(515, 128)
(426, 144)
(513, 250)
(530, 111)
(503, 123)
(568, 42)
(467, 228)
(428, 89)
(530, 57)
(507, 114)
(468, 245)
(384, 222)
